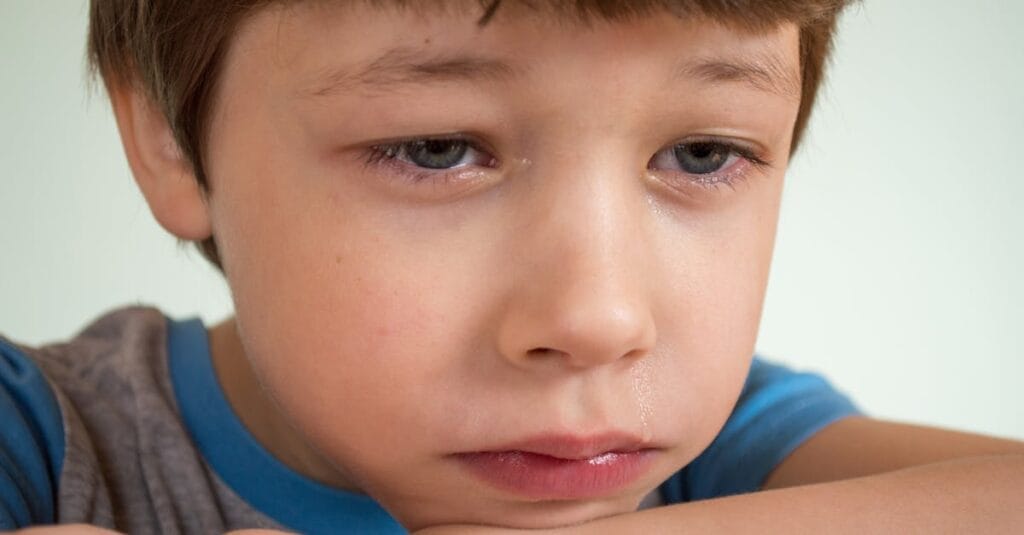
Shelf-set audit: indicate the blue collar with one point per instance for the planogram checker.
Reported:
(252, 472)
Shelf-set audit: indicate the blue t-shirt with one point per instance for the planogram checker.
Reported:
(127, 427)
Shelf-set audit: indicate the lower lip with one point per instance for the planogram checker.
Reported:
(550, 478)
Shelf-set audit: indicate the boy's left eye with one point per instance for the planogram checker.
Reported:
(696, 158)
(707, 163)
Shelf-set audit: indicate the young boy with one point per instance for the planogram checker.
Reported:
(493, 266)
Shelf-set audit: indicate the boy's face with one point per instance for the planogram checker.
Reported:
(572, 264)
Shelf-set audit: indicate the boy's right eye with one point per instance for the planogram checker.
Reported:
(437, 153)
(432, 168)
(434, 153)
(431, 155)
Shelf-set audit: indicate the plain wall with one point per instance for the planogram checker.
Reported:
(898, 264)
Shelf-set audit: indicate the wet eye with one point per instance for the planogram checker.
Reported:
(436, 153)
(457, 163)
(696, 158)
(702, 158)
(432, 154)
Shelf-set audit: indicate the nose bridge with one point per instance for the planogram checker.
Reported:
(580, 295)
(592, 234)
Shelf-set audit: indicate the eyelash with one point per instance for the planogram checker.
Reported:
(388, 155)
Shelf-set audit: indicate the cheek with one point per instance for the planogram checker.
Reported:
(714, 279)
(349, 315)
(345, 354)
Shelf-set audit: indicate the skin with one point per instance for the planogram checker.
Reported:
(567, 281)
(531, 296)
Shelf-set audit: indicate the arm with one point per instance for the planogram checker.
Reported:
(857, 447)
(978, 494)
(860, 475)
(31, 442)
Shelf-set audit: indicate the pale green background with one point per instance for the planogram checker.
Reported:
(898, 268)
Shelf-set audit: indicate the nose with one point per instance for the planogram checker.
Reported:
(579, 297)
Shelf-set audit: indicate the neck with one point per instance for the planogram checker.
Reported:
(258, 412)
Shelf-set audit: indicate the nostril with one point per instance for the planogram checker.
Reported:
(539, 351)
(636, 354)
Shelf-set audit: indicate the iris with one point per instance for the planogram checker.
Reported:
(703, 157)
(436, 153)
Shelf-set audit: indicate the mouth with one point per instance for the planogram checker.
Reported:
(562, 467)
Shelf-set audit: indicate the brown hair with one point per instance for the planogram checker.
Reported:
(171, 50)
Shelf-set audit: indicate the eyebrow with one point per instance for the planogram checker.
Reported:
(406, 66)
(764, 73)
(410, 67)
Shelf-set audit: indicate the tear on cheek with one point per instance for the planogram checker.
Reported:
(642, 390)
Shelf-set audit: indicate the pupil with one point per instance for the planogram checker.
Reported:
(437, 153)
(702, 158)
(701, 150)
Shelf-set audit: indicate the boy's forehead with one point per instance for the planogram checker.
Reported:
(752, 14)
(327, 48)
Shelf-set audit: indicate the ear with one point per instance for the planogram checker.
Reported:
(163, 174)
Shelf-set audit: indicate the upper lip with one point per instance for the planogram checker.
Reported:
(574, 447)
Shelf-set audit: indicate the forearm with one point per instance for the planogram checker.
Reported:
(983, 494)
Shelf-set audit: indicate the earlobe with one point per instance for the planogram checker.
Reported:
(163, 174)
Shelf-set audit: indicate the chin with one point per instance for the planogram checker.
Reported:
(560, 516)
(538, 515)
